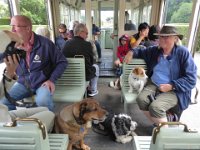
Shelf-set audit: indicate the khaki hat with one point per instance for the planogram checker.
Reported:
(169, 31)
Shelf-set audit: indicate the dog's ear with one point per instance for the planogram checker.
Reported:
(134, 71)
(86, 107)
(82, 108)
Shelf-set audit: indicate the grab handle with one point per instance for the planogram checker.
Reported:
(157, 129)
(40, 124)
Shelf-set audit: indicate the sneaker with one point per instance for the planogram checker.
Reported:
(91, 94)
(111, 84)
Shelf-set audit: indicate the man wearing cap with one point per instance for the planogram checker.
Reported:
(63, 36)
(172, 75)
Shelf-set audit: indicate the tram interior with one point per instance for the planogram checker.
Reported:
(108, 97)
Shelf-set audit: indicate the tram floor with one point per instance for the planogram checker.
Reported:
(111, 100)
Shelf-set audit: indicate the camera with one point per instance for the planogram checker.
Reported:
(10, 50)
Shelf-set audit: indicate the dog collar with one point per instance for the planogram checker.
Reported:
(79, 120)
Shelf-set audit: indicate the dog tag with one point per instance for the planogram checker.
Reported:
(82, 129)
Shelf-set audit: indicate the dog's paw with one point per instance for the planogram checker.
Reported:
(133, 134)
(85, 147)
(126, 139)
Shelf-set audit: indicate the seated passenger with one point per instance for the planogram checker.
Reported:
(122, 50)
(38, 70)
(72, 25)
(79, 46)
(62, 37)
(141, 37)
(43, 31)
(172, 73)
(41, 113)
(153, 39)
(129, 26)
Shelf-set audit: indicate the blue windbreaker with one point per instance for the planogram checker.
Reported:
(183, 70)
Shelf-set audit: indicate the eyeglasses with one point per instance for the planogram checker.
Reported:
(18, 26)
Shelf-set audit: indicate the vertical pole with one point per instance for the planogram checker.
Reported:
(88, 18)
(115, 28)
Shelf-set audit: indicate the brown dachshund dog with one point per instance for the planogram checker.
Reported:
(75, 120)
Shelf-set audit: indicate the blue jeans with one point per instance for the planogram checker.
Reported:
(98, 48)
(43, 96)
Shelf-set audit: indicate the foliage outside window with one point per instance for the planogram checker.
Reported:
(178, 13)
(4, 15)
(34, 9)
(64, 14)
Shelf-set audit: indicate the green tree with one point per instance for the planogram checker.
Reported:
(35, 9)
(4, 11)
(181, 15)
(173, 6)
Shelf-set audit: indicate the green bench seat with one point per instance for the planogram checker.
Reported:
(30, 136)
(127, 97)
(71, 86)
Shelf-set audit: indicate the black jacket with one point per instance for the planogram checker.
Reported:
(78, 46)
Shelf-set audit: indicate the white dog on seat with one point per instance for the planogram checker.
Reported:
(137, 79)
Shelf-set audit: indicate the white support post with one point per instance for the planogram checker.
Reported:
(193, 24)
(88, 5)
(122, 6)
(15, 5)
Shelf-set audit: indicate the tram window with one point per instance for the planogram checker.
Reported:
(34, 9)
(138, 11)
(82, 16)
(4, 15)
(176, 15)
(146, 12)
(64, 14)
(107, 19)
(135, 17)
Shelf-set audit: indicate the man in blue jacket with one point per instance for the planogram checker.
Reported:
(39, 70)
(172, 73)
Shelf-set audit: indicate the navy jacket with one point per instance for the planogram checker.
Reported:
(46, 63)
(183, 70)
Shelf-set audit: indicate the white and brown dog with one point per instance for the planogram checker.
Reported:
(75, 120)
(137, 79)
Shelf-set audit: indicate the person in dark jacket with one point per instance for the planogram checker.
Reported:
(172, 73)
(79, 46)
(39, 70)
(62, 37)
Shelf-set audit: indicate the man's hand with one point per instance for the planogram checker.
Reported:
(165, 87)
(128, 57)
(50, 85)
(11, 65)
